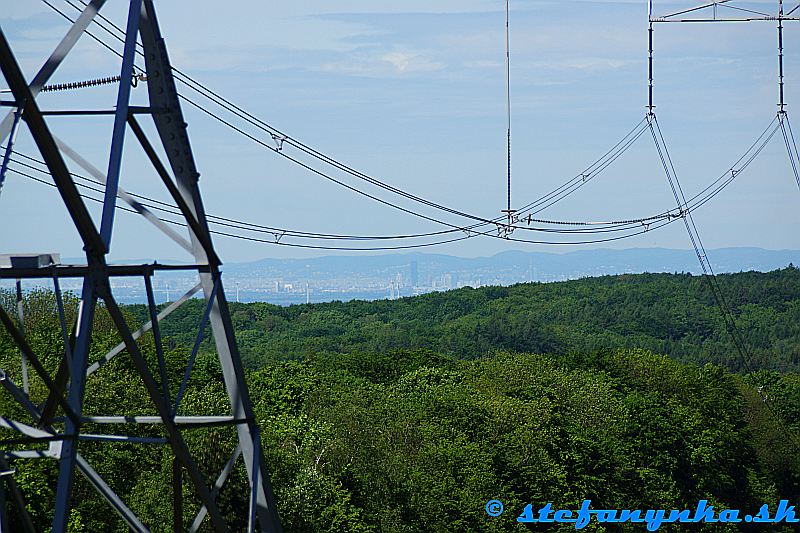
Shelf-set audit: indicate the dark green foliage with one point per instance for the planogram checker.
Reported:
(409, 416)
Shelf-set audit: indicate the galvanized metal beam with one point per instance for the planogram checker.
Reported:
(254, 482)
(195, 350)
(130, 519)
(69, 450)
(18, 394)
(25, 429)
(9, 147)
(186, 211)
(162, 364)
(30, 454)
(197, 421)
(19, 500)
(165, 108)
(80, 271)
(177, 496)
(128, 439)
(88, 472)
(21, 322)
(62, 321)
(118, 135)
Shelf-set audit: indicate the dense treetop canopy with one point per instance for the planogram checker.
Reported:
(410, 415)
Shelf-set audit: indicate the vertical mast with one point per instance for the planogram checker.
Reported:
(781, 101)
(650, 105)
(508, 96)
(508, 211)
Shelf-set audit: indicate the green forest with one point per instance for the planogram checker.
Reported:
(409, 415)
(669, 314)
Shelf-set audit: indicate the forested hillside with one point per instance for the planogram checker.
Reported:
(410, 415)
(672, 314)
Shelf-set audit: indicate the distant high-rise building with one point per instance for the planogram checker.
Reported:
(414, 274)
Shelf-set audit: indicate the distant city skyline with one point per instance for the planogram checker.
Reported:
(393, 276)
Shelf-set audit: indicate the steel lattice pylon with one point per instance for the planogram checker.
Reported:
(67, 388)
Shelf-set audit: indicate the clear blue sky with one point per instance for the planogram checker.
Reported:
(413, 93)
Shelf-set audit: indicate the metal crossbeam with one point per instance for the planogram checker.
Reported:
(80, 271)
(37, 365)
(195, 421)
(175, 437)
(706, 20)
(751, 15)
(47, 147)
(171, 127)
(743, 14)
(223, 477)
(54, 451)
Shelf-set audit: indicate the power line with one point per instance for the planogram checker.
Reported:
(282, 139)
(277, 233)
(275, 134)
(604, 227)
(220, 221)
(549, 199)
(246, 238)
(552, 198)
(726, 310)
(171, 210)
(616, 226)
(277, 149)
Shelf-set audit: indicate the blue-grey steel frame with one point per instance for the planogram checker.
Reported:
(67, 388)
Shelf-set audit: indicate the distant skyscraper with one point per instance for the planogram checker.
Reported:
(414, 274)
